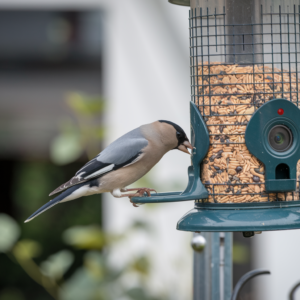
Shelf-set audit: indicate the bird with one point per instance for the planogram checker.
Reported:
(121, 163)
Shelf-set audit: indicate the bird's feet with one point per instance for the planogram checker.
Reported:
(140, 193)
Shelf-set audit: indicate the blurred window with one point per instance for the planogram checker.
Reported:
(44, 55)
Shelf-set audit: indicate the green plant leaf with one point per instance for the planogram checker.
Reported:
(94, 263)
(57, 264)
(240, 253)
(139, 294)
(80, 286)
(11, 294)
(65, 148)
(26, 249)
(85, 237)
(141, 265)
(9, 232)
(142, 225)
(85, 105)
(99, 133)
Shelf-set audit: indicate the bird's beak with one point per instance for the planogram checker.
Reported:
(184, 147)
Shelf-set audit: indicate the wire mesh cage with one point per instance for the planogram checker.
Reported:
(239, 61)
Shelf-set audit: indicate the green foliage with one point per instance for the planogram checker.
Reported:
(82, 135)
(85, 105)
(9, 232)
(141, 225)
(26, 249)
(141, 265)
(76, 264)
(57, 264)
(95, 279)
(41, 238)
(34, 181)
(11, 294)
(139, 294)
(240, 253)
(66, 147)
(85, 237)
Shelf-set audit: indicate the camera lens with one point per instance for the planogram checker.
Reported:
(280, 138)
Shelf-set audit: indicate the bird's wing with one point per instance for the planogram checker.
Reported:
(124, 151)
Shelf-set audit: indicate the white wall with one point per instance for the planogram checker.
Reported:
(277, 252)
(148, 79)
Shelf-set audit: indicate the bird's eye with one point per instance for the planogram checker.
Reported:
(178, 134)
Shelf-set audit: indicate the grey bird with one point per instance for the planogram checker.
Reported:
(122, 163)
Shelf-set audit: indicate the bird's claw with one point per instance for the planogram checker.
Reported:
(134, 204)
(140, 193)
(145, 192)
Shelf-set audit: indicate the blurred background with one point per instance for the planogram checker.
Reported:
(74, 76)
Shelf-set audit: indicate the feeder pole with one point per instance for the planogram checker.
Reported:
(212, 266)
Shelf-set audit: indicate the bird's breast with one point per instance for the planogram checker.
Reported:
(127, 175)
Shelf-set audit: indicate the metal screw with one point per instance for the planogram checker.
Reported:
(198, 243)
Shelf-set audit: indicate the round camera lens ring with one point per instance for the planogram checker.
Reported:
(290, 136)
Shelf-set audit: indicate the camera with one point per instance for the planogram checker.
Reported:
(272, 136)
(280, 138)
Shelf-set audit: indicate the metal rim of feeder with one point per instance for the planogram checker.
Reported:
(180, 2)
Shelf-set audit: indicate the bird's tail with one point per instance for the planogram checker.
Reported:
(54, 201)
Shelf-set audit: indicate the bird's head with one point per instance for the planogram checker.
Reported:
(183, 142)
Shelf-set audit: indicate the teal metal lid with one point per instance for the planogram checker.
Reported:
(180, 2)
(242, 217)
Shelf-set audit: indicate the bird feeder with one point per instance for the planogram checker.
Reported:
(245, 130)
(245, 118)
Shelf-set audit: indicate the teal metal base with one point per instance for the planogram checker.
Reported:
(242, 217)
(181, 2)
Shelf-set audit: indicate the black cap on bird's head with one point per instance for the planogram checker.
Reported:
(183, 141)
